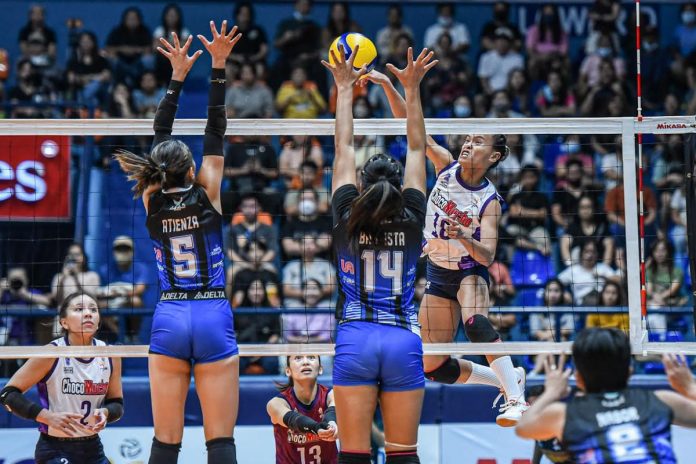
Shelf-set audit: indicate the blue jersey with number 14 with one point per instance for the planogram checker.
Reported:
(376, 280)
(186, 232)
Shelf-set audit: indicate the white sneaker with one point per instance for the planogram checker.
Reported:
(511, 412)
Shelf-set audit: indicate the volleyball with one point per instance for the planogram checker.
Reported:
(367, 53)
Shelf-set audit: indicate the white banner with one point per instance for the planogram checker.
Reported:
(445, 444)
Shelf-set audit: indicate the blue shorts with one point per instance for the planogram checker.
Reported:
(386, 356)
(50, 450)
(197, 331)
(445, 283)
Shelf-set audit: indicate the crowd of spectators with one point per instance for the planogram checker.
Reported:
(562, 234)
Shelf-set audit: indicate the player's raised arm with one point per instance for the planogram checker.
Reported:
(439, 156)
(210, 174)
(410, 77)
(345, 76)
(181, 65)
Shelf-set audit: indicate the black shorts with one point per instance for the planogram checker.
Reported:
(445, 283)
(52, 450)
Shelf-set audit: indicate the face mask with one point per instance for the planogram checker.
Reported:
(501, 107)
(446, 22)
(572, 147)
(650, 46)
(123, 257)
(361, 112)
(688, 17)
(604, 52)
(307, 207)
(462, 111)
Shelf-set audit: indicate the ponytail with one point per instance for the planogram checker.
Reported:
(381, 201)
(144, 171)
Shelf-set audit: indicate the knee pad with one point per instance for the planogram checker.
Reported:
(400, 457)
(347, 457)
(164, 453)
(221, 451)
(448, 372)
(479, 329)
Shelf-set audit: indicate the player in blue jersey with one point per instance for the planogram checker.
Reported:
(192, 329)
(377, 231)
(610, 422)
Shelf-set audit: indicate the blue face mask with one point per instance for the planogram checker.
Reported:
(688, 17)
(462, 111)
(604, 52)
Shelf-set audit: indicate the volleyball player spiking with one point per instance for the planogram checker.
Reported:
(192, 328)
(78, 396)
(609, 421)
(377, 239)
(303, 415)
(461, 237)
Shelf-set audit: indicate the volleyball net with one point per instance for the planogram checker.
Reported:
(593, 231)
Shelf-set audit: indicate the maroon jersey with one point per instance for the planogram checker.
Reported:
(304, 448)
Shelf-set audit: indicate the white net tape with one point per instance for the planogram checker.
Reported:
(627, 128)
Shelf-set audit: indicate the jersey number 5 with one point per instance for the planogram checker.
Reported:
(185, 265)
(391, 266)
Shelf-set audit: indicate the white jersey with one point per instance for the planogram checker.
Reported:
(75, 385)
(452, 198)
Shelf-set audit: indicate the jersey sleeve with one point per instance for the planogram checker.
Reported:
(342, 199)
(414, 201)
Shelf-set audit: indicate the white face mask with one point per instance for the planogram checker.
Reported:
(444, 21)
(123, 257)
(307, 207)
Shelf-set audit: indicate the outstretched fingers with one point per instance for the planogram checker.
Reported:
(214, 30)
(352, 56)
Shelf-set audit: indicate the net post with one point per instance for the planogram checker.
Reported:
(637, 328)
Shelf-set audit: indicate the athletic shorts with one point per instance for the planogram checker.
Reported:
(51, 450)
(386, 356)
(445, 283)
(198, 331)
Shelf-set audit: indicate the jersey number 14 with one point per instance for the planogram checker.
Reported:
(387, 264)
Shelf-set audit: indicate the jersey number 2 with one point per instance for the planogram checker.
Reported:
(391, 265)
(185, 265)
(314, 455)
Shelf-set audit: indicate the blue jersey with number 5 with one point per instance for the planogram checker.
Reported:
(631, 426)
(376, 281)
(186, 232)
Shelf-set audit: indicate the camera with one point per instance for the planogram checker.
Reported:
(16, 284)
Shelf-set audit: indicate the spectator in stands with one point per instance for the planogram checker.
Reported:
(299, 97)
(446, 23)
(502, 290)
(125, 282)
(501, 18)
(564, 204)
(546, 40)
(386, 37)
(308, 176)
(298, 40)
(482, 105)
(599, 97)
(399, 56)
(501, 107)
(612, 296)
(671, 105)
(37, 41)
(685, 40)
(678, 232)
(253, 46)
(308, 327)
(603, 22)
(614, 207)
(250, 97)
(296, 150)
(654, 73)
(587, 277)
(251, 244)
(611, 163)
(29, 91)
(666, 161)
(555, 99)
(528, 210)
(591, 68)
(88, 72)
(508, 171)
(251, 166)
(663, 278)
(147, 97)
(17, 293)
(129, 45)
(573, 148)
(339, 22)
(518, 90)
(449, 80)
(496, 65)
(583, 226)
(172, 21)
(551, 327)
(308, 228)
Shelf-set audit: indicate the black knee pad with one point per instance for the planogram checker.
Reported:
(221, 451)
(164, 453)
(479, 329)
(354, 458)
(402, 457)
(448, 372)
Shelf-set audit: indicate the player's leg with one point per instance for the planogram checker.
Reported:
(474, 300)
(169, 383)
(355, 409)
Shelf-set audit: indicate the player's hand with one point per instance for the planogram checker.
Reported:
(222, 44)
(330, 433)
(457, 231)
(100, 417)
(343, 71)
(375, 77)
(414, 71)
(679, 374)
(67, 423)
(178, 56)
(556, 384)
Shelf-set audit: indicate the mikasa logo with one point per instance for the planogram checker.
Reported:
(666, 125)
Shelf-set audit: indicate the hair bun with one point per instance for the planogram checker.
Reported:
(163, 166)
